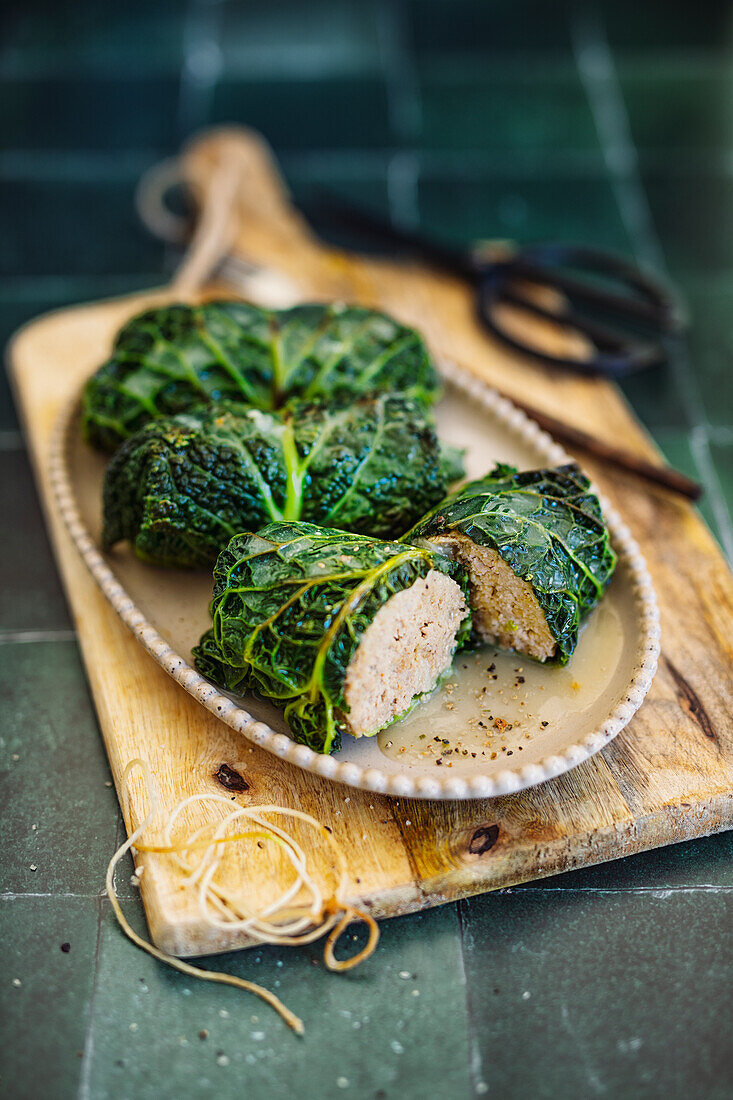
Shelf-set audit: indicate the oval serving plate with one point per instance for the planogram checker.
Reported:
(498, 724)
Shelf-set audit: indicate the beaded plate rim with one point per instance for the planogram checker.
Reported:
(402, 784)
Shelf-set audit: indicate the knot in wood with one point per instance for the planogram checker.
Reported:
(230, 779)
(483, 839)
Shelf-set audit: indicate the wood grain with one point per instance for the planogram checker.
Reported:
(666, 778)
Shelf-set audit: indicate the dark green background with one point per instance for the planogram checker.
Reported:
(609, 124)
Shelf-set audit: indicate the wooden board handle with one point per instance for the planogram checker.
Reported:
(263, 205)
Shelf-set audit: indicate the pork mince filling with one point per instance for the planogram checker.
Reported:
(407, 646)
(505, 610)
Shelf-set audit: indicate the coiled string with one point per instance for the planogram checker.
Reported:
(301, 913)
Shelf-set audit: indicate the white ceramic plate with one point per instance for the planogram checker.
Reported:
(507, 727)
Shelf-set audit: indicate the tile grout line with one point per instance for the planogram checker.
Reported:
(700, 447)
(68, 165)
(475, 1063)
(656, 892)
(403, 91)
(471, 163)
(15, 896)
(597, 71)
(83, 1092)
(28, 288)
(202, 65)
(453, 63)
(29, 637)
(405, 113)
(599, 77)
(28, 165)
(403, 172)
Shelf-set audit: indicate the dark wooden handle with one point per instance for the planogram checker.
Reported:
(664, 476)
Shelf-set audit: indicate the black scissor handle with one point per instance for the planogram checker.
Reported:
(634, 316)
(650, 300)
(615, 361)
(621, 312)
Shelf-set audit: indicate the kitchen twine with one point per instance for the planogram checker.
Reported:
(212, 239)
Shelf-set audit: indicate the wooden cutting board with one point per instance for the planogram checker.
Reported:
(666, 778)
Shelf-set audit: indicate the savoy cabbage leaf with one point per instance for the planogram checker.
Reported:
(182, 486)
(174, 357)
(290, 607)
(547, 525)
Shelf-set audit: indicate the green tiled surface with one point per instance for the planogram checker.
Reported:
(250, 1050)
(89, 39)
(61, 832)
(65, 226)
(656, 398)
(46, 993)
(34, 601)
(711, 342)
(679, 107)
(503, 29)
(307, 114)
(537, 114)
(673, 26)
(104, 112)
(291, 38)
(692, 211)
(722, 453)
(468, 119)
(23, 299)
(617, 1023)
(526, 207)
(678, 448)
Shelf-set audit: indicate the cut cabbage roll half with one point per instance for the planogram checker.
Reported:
(345, 633)
(536, 550)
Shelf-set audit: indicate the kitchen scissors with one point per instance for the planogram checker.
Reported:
(621, 314)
